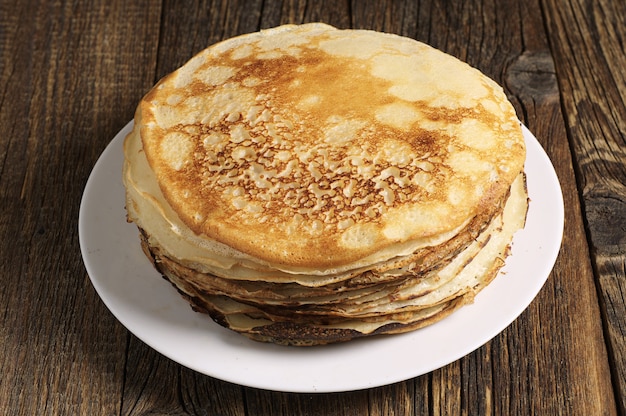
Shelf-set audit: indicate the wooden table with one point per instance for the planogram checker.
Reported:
(71, 74)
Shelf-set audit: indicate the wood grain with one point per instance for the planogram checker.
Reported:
(68, 82)
(70, 78)
(594, 96)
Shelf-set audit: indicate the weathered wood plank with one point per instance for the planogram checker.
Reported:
(567, 307)
(588, 42)
(63, 65)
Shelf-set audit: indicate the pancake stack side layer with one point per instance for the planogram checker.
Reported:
(306, 185)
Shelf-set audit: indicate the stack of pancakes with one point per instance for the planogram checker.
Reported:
(306, 185)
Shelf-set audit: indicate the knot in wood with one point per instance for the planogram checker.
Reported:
(605, 206)
(532, 76)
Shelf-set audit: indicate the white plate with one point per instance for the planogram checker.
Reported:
(151, 308)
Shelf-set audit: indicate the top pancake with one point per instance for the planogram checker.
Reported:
(314, 147)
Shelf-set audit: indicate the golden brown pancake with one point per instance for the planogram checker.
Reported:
(314, 176)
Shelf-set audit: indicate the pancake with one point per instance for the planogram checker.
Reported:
(415, 303)
(150, 210)
(305, 185)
